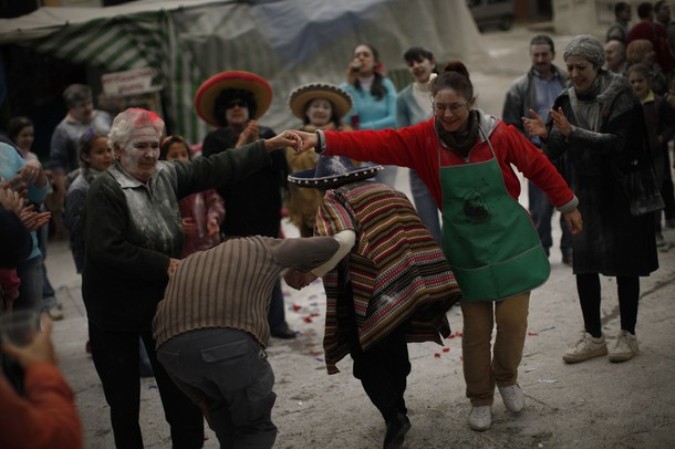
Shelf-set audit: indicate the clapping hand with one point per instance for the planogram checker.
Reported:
(560, 122)
(32, 219)
(11, 200)
(535, 125)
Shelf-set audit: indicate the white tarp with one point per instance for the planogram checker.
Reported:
(289, 42)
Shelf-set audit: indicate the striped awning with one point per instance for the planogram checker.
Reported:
(289, 43)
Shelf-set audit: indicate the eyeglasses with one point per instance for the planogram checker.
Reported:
(454, 107)
(236, 103)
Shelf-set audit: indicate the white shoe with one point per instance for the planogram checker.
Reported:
(513, 398)
(625, 348)
(586, 348)
(480, 418)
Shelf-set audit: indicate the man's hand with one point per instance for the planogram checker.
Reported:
(249, 134)
(173, 266)
(297, 280)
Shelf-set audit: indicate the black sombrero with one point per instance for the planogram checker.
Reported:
(332, 172)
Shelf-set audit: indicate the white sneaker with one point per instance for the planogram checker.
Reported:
(625, 348)
(513, 398)
(480, 418)
(586, 348)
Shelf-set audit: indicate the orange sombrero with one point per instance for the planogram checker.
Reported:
(210, 89)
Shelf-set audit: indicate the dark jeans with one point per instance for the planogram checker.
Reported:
(382, 369)
(116, 357)
(542, 212)
(277, 313)
(227, 371)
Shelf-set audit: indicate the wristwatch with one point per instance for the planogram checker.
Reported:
(320, 146)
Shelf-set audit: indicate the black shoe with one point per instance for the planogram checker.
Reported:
(567, 257)
(396, 430)
(284, 333)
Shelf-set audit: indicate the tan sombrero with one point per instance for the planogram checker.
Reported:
(210, 89)
(341, 100)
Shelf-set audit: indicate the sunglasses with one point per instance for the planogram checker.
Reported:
(236, 103)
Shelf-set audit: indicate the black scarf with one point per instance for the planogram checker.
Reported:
(461, 141)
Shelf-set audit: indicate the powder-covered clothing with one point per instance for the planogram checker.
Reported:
(63, 152)
(231, 285)
(132, 229)
(418, 147)
(46, 418)
(398, 273)
(608, 130)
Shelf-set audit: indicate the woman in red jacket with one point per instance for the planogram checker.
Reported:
(465, 158)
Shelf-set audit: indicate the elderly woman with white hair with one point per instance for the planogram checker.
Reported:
(133, 237)
(598, 122)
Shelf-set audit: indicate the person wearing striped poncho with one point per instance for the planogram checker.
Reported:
(392, 285)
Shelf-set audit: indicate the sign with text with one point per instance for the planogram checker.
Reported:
(129, 82)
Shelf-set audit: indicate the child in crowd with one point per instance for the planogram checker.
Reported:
(201, 212)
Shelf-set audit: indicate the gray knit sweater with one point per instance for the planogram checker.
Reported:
(231, 285)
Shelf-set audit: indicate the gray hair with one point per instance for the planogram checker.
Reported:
(587, 47)
(127, 121)
(76, 93)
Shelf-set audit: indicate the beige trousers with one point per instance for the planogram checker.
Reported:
(485, 366)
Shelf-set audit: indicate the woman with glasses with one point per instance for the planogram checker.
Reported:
(465, 158)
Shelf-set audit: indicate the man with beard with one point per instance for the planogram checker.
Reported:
(536, 91)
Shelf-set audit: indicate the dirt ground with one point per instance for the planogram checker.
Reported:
(593, 405)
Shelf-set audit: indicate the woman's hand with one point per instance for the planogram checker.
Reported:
(11, 200)
(535, 126)
(308, 140)
(574, 221)
(32, 219)
(560, 122)
(353, 70)
(288, 138)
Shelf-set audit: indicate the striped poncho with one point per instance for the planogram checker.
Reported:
(397, 271)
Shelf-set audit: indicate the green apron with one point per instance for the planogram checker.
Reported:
(488, 237)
